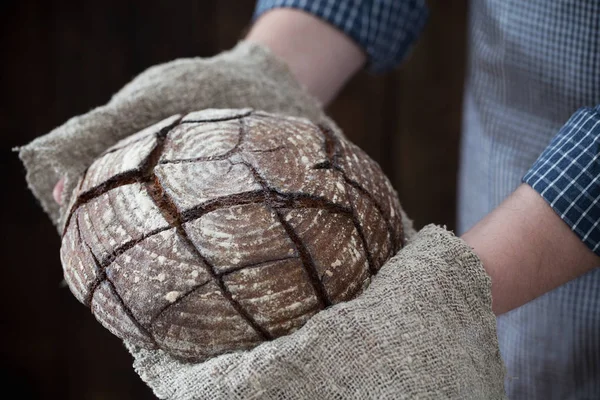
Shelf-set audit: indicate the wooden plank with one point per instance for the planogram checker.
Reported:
(429, 117)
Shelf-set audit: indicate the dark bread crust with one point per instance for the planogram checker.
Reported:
(225, 228)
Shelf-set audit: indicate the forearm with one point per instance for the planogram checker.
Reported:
(527, 249)
(321, 57)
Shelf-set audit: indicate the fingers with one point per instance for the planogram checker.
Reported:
(58, 189)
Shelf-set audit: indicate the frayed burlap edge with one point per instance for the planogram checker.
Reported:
(436, 295)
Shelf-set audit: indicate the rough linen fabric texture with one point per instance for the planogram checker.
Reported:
(247, 76)
(423, 329)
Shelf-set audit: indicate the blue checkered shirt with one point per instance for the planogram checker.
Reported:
(532, 66)
(384, 29)
(567, 175)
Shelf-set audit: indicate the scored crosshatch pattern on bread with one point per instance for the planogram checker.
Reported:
(221, 229)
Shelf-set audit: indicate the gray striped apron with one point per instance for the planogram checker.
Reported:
(532, 63)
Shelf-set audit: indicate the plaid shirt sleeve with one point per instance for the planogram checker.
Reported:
(385, 29)
(567, 175)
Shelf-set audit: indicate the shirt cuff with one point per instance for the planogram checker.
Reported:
(386, 30)
(567, 175)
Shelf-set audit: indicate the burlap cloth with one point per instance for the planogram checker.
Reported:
(423, 329)
(247, 76)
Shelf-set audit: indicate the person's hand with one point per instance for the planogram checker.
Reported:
(58, 190)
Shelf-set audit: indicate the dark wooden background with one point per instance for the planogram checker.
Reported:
(60, 59)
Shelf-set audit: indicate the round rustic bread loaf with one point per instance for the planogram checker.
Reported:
(221, 229)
